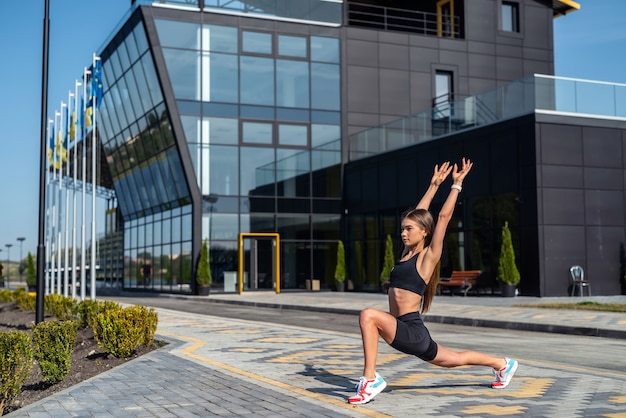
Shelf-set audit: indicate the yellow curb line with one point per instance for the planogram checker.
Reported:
(189, 351)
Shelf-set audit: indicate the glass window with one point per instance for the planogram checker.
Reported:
(325, 87)
(296, 135)
(256, 133)
(260, 43)
(292, 46)
(140, 38)
(123, 55)
(134, 95)
(220, 131)
(293, 226)
(322, 134)
(257, 223)
(292, 83)
(510, 17)
(115, 65)
(257, 171)
(142, 87)
(178, 34)
(131, 46)
(223, 170)
(153, 83)
(257, 81)
(183, 68)
(224, 226)
(325, 227)
(324, 49)
(220, 78)
(157, 177)
(219, 38)
(291, 164)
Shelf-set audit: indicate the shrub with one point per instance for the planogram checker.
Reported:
(507, 269)
(388, 261)
(340, 267)
(16, 362)
(25, 301)
(89, 308)
(118, 332)
(203, 275)
(146, 318)
(31, 271)
(54, 343)
(62, 307)
(6, 295)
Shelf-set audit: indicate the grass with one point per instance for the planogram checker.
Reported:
(583, 306)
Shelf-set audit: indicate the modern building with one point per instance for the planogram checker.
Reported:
(271, 129)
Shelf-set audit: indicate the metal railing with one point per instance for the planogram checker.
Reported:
(538, 93)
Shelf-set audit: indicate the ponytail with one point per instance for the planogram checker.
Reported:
(431, 288)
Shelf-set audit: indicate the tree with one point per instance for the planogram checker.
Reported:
(203, 276)
(388, 262)
(31, 271)
(340, 269)
(507, 270)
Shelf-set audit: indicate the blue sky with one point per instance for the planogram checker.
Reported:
(589, 44)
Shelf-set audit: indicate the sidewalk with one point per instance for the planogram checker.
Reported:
(483, 311)
(234, 368)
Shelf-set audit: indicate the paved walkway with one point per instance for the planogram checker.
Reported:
(235, 368)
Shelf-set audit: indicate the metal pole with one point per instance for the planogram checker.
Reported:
(20, 239)
(41, 246)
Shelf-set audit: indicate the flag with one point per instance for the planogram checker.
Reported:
(73, 123)
(96, 82)
(51, 145)
(63, 139)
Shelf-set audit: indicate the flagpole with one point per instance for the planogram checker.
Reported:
(76, 110)
(66, 146)
(53, 217)
(93, 181)
(48, 210)
(59, 236)
(83, 261)
(43, 166)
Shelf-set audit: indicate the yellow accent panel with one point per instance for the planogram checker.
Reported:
(618, 399)
(618, 415)
(495, 410)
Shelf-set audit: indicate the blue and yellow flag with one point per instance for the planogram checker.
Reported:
(96, 83)
(51, 145)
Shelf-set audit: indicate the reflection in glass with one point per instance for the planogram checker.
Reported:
(183, 71)
(178, 34)
(257, 172)
(257, 80)
(257, 133)
(260, 43)
(292, 83)
(324, 49)
(293, 135)
(292, 46)
(325, 86)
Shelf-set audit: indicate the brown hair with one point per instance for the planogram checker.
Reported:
(425, 219)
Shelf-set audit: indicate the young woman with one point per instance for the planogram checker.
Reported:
(413, 284)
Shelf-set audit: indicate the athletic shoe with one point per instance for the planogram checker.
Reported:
(367, 389)
(505, 374)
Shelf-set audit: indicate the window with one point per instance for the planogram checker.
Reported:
(443, 94)
(510, 16)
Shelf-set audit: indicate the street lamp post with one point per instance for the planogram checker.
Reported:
(21, 240)
(8, 257)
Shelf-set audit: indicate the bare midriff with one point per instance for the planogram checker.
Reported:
(403, 301)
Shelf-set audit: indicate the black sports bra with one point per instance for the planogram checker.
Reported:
(404, 275)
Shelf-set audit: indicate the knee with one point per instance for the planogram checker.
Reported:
(367, 316)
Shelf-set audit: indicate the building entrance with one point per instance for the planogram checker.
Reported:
(259, 262)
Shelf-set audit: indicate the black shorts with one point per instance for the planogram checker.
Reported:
(413, 338)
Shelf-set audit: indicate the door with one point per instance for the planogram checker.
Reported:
(259, 258)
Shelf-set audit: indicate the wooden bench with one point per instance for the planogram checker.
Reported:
(461, 280)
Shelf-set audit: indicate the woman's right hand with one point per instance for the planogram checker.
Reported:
(459, 175)
(440, 173)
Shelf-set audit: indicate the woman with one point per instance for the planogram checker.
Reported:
(413, 283)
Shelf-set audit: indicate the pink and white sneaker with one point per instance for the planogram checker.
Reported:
(367, 389)
(505, 374)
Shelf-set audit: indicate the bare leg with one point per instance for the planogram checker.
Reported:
(448, 358)
(374, 323)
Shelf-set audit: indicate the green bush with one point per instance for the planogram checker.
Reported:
(507, 269)
(16, 362)
(25, 301)
(89, 308)
(31, 271)
(388, 261)
(6, 295)
(119, 332)
(146, 318)
(54, 343)
(62, 307)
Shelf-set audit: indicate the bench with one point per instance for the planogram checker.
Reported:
(461, 280)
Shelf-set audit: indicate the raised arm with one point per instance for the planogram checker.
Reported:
(436, 243)
(439, 175)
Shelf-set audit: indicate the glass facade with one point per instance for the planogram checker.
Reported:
(146, 168)
(255, 133)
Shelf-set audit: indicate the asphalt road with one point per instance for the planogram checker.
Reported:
(591, 353)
